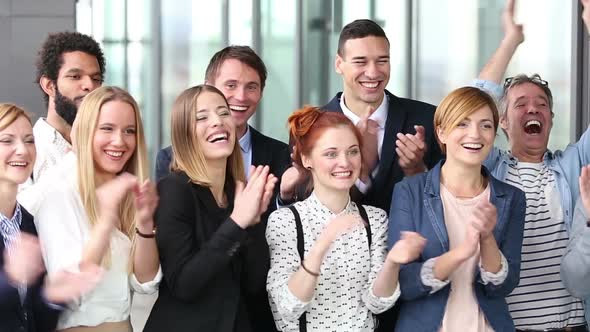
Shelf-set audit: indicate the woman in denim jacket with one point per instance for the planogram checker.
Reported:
(473, 224)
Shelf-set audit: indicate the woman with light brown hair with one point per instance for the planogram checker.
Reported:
(473, 223)
(101, 212)
(204, 218)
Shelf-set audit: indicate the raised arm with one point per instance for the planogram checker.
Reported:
(586, 14)
(495, 68)
(575, 265)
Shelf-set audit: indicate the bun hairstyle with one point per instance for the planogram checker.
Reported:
(306, 125)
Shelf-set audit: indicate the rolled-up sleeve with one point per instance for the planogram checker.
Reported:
(281, 236)
(428, 278)
(493, 88)
(148, 287)
(495, 278)
(379, 228)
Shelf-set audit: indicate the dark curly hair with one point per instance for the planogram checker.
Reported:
(50, 60)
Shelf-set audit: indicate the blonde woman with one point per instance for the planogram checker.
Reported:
(205, 219)
(100, 212)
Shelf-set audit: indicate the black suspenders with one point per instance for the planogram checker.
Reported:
(301, 247)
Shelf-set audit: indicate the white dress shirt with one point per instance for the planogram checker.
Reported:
(63, 229)
(51, 147)
(343, 299)
(379, 116)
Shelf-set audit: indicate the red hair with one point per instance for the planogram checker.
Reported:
(306, 125)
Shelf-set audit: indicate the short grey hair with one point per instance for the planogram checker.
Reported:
(519, 79)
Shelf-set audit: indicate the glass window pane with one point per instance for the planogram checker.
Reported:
(391, 15)
(451, 51)
(278, 53)
(240, 22)
(115, 69)
(191, 34)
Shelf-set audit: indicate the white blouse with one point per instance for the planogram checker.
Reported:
(343, 299)
(63, 228)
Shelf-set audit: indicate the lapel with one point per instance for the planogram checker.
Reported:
(334, 104)
(434, 207)
(396, 117)
(499, 198)
(260, 155)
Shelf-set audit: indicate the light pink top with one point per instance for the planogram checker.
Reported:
(462, 312)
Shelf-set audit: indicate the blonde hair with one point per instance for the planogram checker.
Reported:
(460, 104)
(9, 113)
(186, 153)
(87, 121)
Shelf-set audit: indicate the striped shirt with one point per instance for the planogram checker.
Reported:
(540, 300)
(9, 230)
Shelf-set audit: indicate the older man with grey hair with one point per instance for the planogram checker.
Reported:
(550, 181)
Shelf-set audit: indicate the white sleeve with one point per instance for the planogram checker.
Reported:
(148, 287)
(281, 236)
(379, 225)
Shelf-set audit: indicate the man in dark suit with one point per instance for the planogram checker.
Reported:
(398, 134)
(241, 75)
(399, 130)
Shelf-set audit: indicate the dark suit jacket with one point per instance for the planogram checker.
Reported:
(275, 154)
(33, 315)
(209, 262)
(402, 116)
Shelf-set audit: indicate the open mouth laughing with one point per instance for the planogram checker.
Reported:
(533, 127)
(238, 108)
(218, 137)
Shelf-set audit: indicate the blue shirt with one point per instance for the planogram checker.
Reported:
(246, 148)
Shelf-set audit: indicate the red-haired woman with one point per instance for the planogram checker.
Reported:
(330, 269)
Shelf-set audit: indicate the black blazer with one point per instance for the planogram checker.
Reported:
(206, 259)
(403, 114)
(33, 315)
(275, 154)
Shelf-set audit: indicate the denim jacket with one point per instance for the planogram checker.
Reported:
(575, 265)
(417, 206)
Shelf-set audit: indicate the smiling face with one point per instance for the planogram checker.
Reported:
(470, 142)
(241, 86)
(335, 160)
(115, 138)
(527, 121)
(17, 152)
(365, 68)
(214, 128)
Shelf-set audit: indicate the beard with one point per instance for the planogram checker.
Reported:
(65, 108)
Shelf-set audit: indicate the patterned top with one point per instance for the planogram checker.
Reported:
(51, 148)
(540, 300)
(343, 299)
(9, 230)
